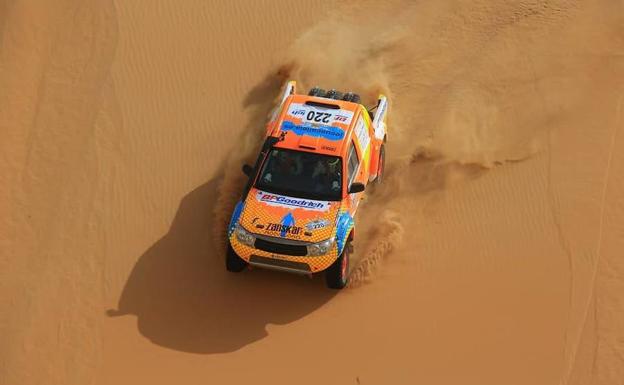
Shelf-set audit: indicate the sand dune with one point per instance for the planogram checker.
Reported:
(492, 254)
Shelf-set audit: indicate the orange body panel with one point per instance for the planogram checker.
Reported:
(321, 126)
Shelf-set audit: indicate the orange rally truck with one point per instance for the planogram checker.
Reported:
(297, 211)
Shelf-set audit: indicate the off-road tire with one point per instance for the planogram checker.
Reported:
(351, 97)
(337, 275)
(316, 91)
(333, 94)
(233, 262)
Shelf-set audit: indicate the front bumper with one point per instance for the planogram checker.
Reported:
(303, 264)
(280, 264)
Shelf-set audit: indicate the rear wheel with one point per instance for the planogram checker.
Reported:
(381, 165)
(337, 275)
(233, 262)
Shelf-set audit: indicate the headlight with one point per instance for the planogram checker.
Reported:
(244, 236)
(321, 247)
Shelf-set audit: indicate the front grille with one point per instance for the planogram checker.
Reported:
(280, 248)
(279, 263)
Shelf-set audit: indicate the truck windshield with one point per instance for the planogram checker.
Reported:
(302, 175)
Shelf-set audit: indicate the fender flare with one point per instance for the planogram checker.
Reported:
(238, 209)
(344, 225)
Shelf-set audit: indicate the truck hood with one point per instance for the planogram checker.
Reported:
(287, 217)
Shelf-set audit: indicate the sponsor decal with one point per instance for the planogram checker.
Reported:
(343, 118)
(362, 134)
(344, 224)
(287, 222)
(258, 225)
(283, 229)
(283, 201)
(238, 209)
(325, 132)
(316, 224)
(319, 115)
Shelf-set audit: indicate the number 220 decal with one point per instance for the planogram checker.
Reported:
(313, 115)
(319, 117)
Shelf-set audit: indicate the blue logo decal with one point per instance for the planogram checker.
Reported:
(238, 209)
(343, 227)
(287, 222)
(325, 132)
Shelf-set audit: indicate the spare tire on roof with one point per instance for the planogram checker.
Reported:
(316, 91)
(351, 97)
(333, 94)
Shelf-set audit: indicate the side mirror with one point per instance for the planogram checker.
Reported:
(356, 188)
(248, 170)
(272, 141)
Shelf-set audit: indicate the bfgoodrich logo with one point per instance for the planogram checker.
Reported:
(282, 201)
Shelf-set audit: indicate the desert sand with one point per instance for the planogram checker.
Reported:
(492, 254)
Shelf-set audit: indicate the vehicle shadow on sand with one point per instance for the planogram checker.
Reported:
(180, 291)
(185, 300)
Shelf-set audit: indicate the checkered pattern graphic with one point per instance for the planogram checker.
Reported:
(283, 223)
(283, 220)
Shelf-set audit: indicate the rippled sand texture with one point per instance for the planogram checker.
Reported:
(492, 254)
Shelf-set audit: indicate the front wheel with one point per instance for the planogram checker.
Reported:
(233, 262)
(337, 275)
